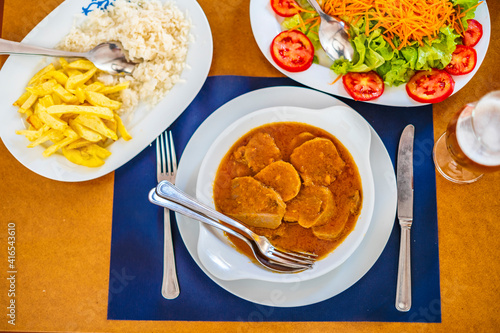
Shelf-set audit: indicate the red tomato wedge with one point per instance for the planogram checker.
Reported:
(363, 86)
(463, 60)
(292, 51)
(431, 86)
(473, 33)
(285, 8)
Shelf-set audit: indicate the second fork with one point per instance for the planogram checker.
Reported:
(166, 169)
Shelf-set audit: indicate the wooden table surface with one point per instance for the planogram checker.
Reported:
(64, 229)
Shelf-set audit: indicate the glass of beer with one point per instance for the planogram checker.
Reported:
(470, 146)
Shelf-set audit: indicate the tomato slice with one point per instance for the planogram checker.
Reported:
(473, 33)
(292, 51)
(285, 8)
(431, 86)
(363, 86)
(463, 60)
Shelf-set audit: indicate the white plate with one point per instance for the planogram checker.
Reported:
(217, 253)
(330, 284)
(265, 27)
(146, 123)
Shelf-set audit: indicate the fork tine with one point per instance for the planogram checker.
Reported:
(168, 168)
(158, 156)
(163, 153)
(174, 158)
(302, 257)
(294, 258)
(289, 262)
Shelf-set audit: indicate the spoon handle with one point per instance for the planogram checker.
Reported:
(10, 47)
(169, 191)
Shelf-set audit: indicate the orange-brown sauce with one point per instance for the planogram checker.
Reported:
(295, 237)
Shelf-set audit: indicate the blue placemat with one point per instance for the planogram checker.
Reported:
(137, 234)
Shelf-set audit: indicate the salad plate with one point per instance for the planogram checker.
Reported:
(266, 25)
(145, 124)
(296, 292)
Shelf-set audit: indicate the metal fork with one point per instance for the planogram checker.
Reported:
(166, 169)
(264, 251)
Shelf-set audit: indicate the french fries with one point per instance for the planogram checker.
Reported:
(68, 109)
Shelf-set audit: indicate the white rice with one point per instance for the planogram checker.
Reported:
(149, 31)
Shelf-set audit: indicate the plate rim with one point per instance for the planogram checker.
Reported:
(143, 131)
(189, 229)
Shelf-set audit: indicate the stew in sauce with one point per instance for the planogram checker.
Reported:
(294, 183)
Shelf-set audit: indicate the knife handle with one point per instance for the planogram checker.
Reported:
(403, 290)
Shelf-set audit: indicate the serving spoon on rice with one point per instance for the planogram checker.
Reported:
(108, 57)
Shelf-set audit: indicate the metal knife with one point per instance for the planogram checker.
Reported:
(405, 216)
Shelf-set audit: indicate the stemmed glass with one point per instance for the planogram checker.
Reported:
(471, 144)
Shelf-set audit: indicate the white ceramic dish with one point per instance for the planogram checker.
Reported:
(146, 123)
(265, 27)
(218, 254)
(299, 293)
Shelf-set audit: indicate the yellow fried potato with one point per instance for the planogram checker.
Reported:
(58, 75)
(50, 135)
(121, 129)
(28, 103)
(64, 63)
(67, 110)
(78, 80)
(70, 137)
(95, 123)
(90, 155)
(98, 99)
(50, 120)
(80, 94)
(23, 98)
(97, 150)
(82, 64)
(29, 134)
(35, 121)
(46, 101)
(41, 73)
(95, 86)
(98, 111)
(113, 89)
(72, 72)
(85, 132)
(44, 88)
(78, 157)
(65, 95)
(78, 144)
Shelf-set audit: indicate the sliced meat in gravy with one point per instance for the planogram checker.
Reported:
(259, 152)
(314, 206)
(317, 161)
(333, 229)
(255, 204)
(282, 177)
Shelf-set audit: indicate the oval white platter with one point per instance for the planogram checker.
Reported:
(145, 125)
(265, 26)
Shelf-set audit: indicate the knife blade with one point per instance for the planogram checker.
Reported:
(405, 216)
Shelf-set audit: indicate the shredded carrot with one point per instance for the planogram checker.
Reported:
(338, 78)
(407, 20)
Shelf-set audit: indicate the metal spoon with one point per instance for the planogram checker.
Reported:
(332, 35)
(108, 57)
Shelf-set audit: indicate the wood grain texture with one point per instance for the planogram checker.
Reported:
(64, 229)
